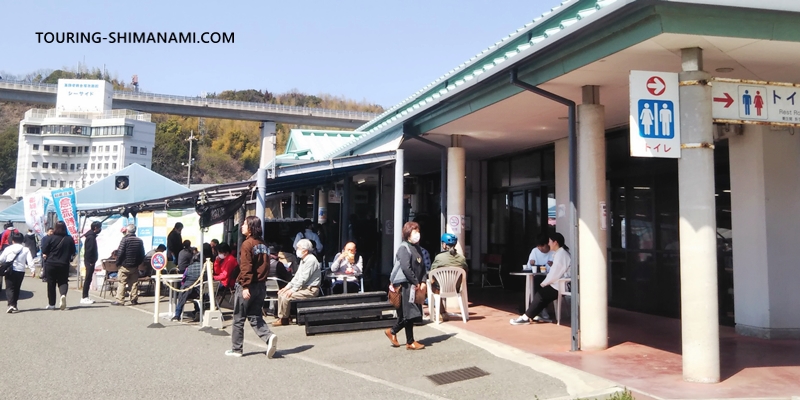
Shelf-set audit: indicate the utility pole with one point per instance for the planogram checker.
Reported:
(190, 139)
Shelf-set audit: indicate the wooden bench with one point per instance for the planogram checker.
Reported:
(346, 317)
(335, 300)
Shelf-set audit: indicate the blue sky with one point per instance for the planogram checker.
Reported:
(379, 51)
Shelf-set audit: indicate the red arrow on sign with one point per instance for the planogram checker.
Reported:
(656, 85)
(728, 100)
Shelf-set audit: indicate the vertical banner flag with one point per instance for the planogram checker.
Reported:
(67, 210)
(35, 206)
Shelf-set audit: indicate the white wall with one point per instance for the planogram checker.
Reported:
(765, 165)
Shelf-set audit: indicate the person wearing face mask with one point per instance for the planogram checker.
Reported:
(225, 266)
(305, 283)
(347, 262)
(408, 274)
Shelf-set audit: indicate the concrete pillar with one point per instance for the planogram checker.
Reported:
(322, 210)
(399, 168)
(267, 143)
(564, 223)
(591, 226)
(764, 165)
(456, 190)
(698, 242)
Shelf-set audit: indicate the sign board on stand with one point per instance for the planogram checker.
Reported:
(158, 262)
(654, 115)
(753, 102)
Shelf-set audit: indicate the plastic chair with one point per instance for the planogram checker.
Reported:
(273, 287)
(564, 289)
(447, 278)
(109, 283)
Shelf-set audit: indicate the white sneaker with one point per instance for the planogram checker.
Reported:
(232, 353)
(50, 308)
(521, 320)
(62, 303)
(87, 300)
(541, 319)
(10, 310)
(272, 345)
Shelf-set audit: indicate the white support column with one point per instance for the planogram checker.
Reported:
(591, 227)
(267, 155)
(399, 168)
(456, 190)
(698, 241)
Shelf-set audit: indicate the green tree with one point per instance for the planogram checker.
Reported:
(8, 157)
(170, 149)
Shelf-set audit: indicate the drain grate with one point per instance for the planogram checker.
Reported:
(457, 375)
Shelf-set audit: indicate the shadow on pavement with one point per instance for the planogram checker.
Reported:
(436, 339)
(298, 349)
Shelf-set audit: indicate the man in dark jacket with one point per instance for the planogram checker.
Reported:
(129, 256)
(175, 242)
(90, 258)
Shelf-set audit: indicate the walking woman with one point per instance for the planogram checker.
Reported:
(408, 275)
(58, 250)
(549, 289)
(21, 256)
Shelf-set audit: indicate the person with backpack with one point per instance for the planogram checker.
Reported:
(308, 233)
(58, 251)
(21, 258)
(5, 239)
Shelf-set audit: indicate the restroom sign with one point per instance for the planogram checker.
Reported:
(654, 115)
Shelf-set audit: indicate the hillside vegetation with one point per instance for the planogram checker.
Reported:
(227, 150)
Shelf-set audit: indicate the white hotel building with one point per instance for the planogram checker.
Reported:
(80, 141)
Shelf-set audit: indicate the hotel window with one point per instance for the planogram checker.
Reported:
(74, 149)
(84, 165)
(63, 166)
(72, 168)
(64, 149)
(108, 148)
(134, 149)
(105, 166)
(143, 151)
(54, 165)
(92, 166)
(56, 149)
(85, 149)
(47, 147)
(71, 183)
(62, 184)
(94, 148)
(91, 183)
(34, 164)
(44, 182)
(33, 182)
(114, 166)
(116, 148)
(53, 183)
(45, 165)
(33, 129)
(80, 149)
(35, 147)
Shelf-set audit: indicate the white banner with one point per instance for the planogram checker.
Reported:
(35, 208)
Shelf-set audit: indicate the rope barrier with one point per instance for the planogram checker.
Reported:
(194, 285)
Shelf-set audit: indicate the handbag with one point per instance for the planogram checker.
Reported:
(7, 266)
(420, 295)
(394, 296)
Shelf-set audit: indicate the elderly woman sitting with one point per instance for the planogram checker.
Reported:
(349, 264)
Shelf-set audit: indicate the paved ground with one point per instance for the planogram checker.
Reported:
(101, 350)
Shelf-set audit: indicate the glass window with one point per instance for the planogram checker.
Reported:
(105, 166)
(94, 148)
(54, 165)
(63, 166)
(114, 166)
(498, 174)
(92, 167)
(45, 165)
(134, 149)
(56, 149)
(143, 151)
(34, 164)
(47, 147)
(72, 167)
(526, 169)
(43, 182)
(116, 148)
(85, 149)
(71, 183)
(84, 165)
(53, 183)
(62, 184)
(80, 149)
(33, 182)
(35, 147)
(108, 148)
(74, 149)
(64, 149)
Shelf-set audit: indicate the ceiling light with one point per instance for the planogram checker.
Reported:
(724, 69)
(361, 181)
(406, 174)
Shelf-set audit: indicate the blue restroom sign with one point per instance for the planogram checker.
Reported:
(654, 115)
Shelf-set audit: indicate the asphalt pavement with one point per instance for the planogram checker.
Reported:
(105, 351)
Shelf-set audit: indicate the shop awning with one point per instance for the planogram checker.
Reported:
(217, 203)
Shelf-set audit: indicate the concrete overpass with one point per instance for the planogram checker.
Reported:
(42, 93)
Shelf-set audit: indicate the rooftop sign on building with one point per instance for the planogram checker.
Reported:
(84, 96)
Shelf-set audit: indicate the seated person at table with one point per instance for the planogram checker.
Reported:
(449, 257)
(190, 275)
(549, 288)
(277, 269)
(225, 266)
(186, 256)
(305, 283)
(348, 263)
(541, 255)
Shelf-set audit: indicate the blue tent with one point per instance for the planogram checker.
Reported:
(142, 184)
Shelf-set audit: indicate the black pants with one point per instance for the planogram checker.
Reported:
(402, 322)
(56, 275)
(13, 285)
(87, 281)
(543, 297)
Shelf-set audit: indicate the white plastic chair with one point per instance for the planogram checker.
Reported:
(562, 291)
(447, 277)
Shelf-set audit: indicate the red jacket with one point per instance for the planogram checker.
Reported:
(224, 270)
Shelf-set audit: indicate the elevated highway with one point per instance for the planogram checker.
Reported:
(42, 93)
